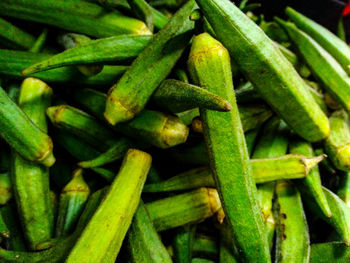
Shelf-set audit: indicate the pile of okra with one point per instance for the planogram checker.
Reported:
(166, 131)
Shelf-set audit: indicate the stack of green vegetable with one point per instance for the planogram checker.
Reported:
(171, 131)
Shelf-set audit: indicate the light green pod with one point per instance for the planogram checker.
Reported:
(103, 236)
(182, 209)
(333, 44)
(310, 186)
(323, 66)
(128, 97)
(71, 204)
(30, 180)
(74, 15)
(209, 66)
(337, 145)
(144, 244)
(264, 65)
(293, 241)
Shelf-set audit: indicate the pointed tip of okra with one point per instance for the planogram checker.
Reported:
(203, 43)
(116, 112)
(51, 112)
(77, 184)
(226, 106)
(290, 11)
(310, 163)
(32, 69)
(49, 159)
(282, 22)
(174, 132)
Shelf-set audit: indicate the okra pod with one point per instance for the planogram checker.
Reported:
(311, 185)
(4, 231)
(323, 66)
(74, 15)
(128, 97)
(183, 209)
(71, 204)
(14, 37)
(226, 249)
(340, 214)
(177, 96)
(31, 180)
(20, 132)
(72, 40)
(209, 66)
(330, 42)
(183, 243)
(293, 241)
(205, 247)
(159, 129)
(103, 236)
(5, 188)
(266, 67)
(201, 260)
(144, 244)
(109, 50)
(329, 252)
(13, 62)
(39, 42)
(337, 145)
(344, 188)
(143, 11)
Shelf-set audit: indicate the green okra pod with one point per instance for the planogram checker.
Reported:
(20, 132)
(183, 243)
(226, 249)
(311, 185)
(72, 40)
(293, 241)
(202, 260)
(209, 66)
(14, 37)
(344, 188)
(13, 62)
(4, 231)
(337, 145)
(143, 11)
(74, 15)
(266, 67)
(143, 241)
(31, 180)
(323, 66)
(109, 50)
(183, 209)
(205, 247)
(329, 252)
(39, 42)
(103, 236)
(330, 42)
(159, 129)
(340, 214)
(5, 188)
(71, 204)
(128, 97)
(177, 96)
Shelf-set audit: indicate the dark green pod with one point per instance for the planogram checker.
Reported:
(330, 42)
(110, 50)
(209, 66)
(74, 15)
(30, 180)
(330, 252)
(4, 231)
(265, 66)
(39, 42)
(183, 243)
(5, 188)
(311, 185)
(184, 208)
(128, 97)
(323, 66)
(344, 188)
(143, 11)
(337, 145)
(205, 247)
(227, 248)
(144, 244)
(71, 204)
(293, 241)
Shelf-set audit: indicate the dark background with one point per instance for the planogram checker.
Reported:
(325, 12)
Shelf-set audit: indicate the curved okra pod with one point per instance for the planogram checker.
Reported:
(183, 243)
(323, 66)
(103, 236)
(337, 145)
(143, 241)
(14, 37)
(209, 66)
(330, 42)
(310, 186)
(20, 132)
(109, 50)
(330, 252)
(265, 66)
(128, 97)
(5, 188)
(183, 209)
(293, 241)
(30, 180)
(71, 204)
(13, 62)
(74, 15)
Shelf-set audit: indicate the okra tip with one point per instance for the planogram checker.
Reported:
(174, 132)
(53, 112)
(116, 112)
(48, 158)
(310, 163)
(32, 69)
(204, 43)
(343, 157)
(214, 200)
(77, 183)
